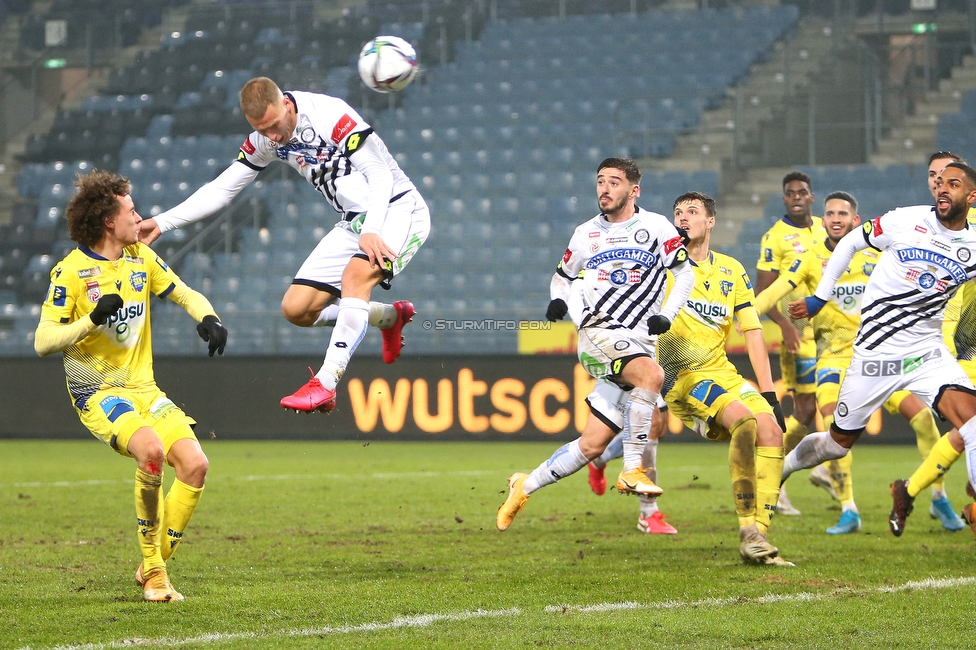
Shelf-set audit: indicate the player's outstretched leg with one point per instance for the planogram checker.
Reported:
(392, 335)
(313, 396)
(820, 477)
(638, 417)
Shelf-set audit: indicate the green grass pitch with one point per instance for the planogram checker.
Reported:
(393, 545)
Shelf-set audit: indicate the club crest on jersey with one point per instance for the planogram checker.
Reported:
(963, 255)
(726, 287)
(926, 280)
(635, 255)
(642, 236)
(93, 291)
(138, 280)
(619, 277)
(307, 135)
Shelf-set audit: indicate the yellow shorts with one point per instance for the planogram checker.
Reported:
(698, 399)
(830, 374)
(800, 370)
(114, 414)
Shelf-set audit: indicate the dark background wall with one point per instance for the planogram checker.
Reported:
(421, 398)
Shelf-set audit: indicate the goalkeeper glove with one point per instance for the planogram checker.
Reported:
(658, 324)
(777, 409)
(106, 306)
(215, 334)
(556, 310)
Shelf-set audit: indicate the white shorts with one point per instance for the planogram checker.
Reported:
(871, 380)
(607, 402)
(405, 230)
(603, 351)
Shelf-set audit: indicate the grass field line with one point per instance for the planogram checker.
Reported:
(425, 620)
(804, 596)
(258, 477)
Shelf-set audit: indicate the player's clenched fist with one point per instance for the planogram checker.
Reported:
(658, 324)
(106, 306)
(215, 334)
(556, 310)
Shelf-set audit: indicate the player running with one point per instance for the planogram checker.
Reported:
(706, 391)
(899, 344)
(97, 314)
(959, 329)
(384, 221)
(834, 329)
(611, 282)
(793, 235)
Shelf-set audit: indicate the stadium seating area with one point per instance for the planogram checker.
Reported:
(956, 132)
(503, 151)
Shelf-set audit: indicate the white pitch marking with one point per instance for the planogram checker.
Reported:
(425, 620)
(929, 583)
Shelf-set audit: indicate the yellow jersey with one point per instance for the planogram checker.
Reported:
(836, 325)
(956, 306)
(117, 354)
(696, 339)
(782, 243)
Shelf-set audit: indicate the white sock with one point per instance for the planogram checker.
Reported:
(614, 450)
(814, 449)
(938, 494)
(567, 460)
(649, 459)
(349, 330)
(849, 506)
(648, 506)
(638, 417)
(968, 433)
(381, 315)
(327, 317)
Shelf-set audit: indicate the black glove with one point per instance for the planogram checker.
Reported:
(556, 310)
(683, 232)
(777, 409)
(211, 331)
(658, 324)
(106, 306)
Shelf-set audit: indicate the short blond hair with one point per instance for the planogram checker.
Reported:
(257, 94)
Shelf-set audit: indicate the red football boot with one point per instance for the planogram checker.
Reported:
(392, 338)
(313, 396)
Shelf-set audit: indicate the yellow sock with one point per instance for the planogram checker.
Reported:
(935, 465)
(149, 515)
(769, 472)
(180, 503)
(742, 466)
(842, 479)
(926, 435)
(795, 432)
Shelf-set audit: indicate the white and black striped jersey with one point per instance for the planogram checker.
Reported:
(327, 131)
(614, 275)
(923, 266)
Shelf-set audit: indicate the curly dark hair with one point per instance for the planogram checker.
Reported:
(97, 198)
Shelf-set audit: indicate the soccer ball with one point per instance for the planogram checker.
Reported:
(387, 64)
